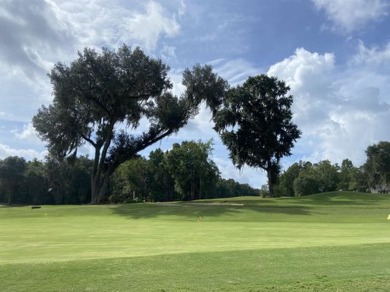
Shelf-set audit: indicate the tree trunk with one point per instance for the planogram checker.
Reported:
(272, 170)
(10, 191)
(95, 179)
(103, 188)
(94, 189)
(271, 185)
(99, 184)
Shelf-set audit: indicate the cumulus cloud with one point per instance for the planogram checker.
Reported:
(147, 27)
(111, 23)
(350, 15)
(341, 110)
(30, 33)
(371, 56)
(307, 75)
(28, 154)
(37, 33)
(28, 133)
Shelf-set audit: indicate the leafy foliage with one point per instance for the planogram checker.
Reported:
(11, 175)
(192, 170)
(305, 178)
(377, 166)
(255, 123)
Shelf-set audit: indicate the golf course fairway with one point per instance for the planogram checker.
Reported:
(327, 242)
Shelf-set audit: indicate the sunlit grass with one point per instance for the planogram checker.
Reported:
(328, 241)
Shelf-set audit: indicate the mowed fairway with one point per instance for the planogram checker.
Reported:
(329, 242)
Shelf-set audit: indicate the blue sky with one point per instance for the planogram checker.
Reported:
(334, 54)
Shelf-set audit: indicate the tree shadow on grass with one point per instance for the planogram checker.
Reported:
(193, 211)
(344, 198)
(251, 209)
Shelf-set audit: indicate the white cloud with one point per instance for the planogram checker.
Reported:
(340, 110)
(235, 71)
(350, 15)
(373, 56)
(147, 27)
(307, 75)
(39, 33)
(304, 69)
(32, 36)
(28, 133)
(111, 23)
(28, 154)
(176, 77)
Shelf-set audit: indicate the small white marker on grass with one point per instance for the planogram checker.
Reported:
(388, 217)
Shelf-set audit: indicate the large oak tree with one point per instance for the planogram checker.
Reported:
(255, 123)
(104, 98)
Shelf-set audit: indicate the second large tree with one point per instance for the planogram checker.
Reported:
(255, 123)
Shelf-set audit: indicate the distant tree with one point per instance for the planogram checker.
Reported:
(101, 93)
(227, 188)
(327, 175)
(130, 181)
(247, 190)
(306, 184)
(59, 174)
(359, 180)
(194, 173)
(264, 191)
(35, 182)
(161, 183)
(68, 180)
(287, 178)
(346, 171)
(11, 176)
(377, 166)
(255, 123)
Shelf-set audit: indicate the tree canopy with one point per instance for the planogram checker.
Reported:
(194, 173)
(255, 123)
(11, 175)
(377, 166)
(103, 98)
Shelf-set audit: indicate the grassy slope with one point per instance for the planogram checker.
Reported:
(337, 241)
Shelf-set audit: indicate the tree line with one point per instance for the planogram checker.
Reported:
(186, 172)
(305, 178)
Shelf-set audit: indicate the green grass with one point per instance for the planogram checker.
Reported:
(328, 242)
